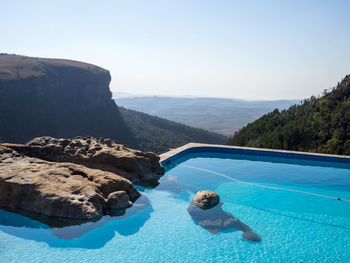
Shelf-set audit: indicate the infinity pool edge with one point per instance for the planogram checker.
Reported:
(176, 153)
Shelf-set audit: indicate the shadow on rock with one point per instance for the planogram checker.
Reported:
(91, 235)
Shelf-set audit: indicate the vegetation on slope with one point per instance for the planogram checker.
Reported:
(223, 116)
(317, 125)
(158, 134)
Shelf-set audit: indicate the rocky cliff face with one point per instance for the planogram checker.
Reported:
(60, 98)
(79, 179)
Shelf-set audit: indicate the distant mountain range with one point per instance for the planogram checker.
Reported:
(65, 98)
(222, 116)
(319, 124)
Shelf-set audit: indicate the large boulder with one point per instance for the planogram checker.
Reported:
(96, 153)
(206, 210)
(62, 190)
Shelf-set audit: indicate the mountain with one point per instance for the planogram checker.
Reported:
(65, 98)
(223, 116)
(317, 125)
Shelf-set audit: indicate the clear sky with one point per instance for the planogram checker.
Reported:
(216, 48)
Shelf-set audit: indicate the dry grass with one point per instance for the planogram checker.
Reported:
(14, 66)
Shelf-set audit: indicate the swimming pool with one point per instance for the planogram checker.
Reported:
(293, 226)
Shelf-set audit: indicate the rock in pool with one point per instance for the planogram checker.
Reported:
(206, 199)
(251, 236)
(206, 210)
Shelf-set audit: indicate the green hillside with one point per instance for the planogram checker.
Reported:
(158, 134)
(317, 125)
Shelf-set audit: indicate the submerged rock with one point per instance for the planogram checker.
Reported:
(141, 205)
(97, 153)
(206, 199)
(251, 236)
(118, 200)
(215, 219)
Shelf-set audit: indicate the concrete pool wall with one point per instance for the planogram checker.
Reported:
(175, 154)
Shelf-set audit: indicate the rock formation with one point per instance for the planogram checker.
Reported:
(213, 218)
(97, 153)
(78, 179)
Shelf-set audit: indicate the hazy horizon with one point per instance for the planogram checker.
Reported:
(133, 95)
(252, 50)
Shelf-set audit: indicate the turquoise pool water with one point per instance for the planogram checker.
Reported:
(294, 227)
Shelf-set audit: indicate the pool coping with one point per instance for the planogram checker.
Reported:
(174, 154)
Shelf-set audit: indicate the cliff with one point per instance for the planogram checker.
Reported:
(60, 98)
